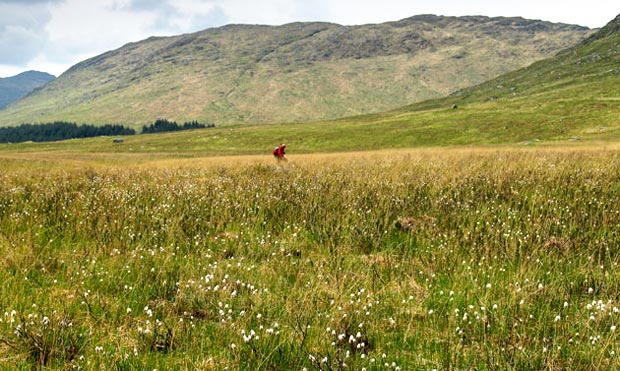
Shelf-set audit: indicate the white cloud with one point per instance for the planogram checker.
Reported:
(21, 32)
(79, 26)
(28, 2)
(193, 15)
(263, 12)
(19, 44)
(10, 70)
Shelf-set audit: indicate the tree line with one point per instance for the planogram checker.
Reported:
(61, 130)
(58, 130)
(163, 125)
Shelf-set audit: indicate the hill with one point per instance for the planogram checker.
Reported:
(294, 72)
(587, 69)
(573, 95)
(16, 87)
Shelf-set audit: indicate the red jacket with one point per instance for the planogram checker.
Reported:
(279, 151)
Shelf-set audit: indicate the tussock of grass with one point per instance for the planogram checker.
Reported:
(486, 259)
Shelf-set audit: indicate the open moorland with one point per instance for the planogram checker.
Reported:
(480, 231)
(500, 258)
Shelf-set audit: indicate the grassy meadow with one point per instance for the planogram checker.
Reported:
(498, 258)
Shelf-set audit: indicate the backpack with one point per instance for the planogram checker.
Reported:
(275, 151)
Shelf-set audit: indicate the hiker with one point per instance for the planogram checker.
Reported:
(279, 152)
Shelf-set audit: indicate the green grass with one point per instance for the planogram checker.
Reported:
(488, 259)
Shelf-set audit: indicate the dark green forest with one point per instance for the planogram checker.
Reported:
(163, 125)
(58, 130)
(61, 130)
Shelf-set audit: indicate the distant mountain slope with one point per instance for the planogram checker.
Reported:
(16, 87)
(572, 96)
(587, 69)
(295, 72)
(582, 70)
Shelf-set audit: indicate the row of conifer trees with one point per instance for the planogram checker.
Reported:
(61, 130)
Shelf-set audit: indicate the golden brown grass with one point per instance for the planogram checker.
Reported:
(507, 261)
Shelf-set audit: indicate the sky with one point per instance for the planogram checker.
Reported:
(53, 35)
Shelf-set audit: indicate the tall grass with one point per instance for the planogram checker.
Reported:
(470, 259)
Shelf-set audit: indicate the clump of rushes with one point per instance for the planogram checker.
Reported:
(47, 341)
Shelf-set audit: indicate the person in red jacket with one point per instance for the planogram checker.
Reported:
(279, 152)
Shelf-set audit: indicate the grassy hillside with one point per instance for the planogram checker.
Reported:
(573, 94)
(572, 97)
(295, 72)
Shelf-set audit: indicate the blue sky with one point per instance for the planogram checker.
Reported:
(52, 35)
